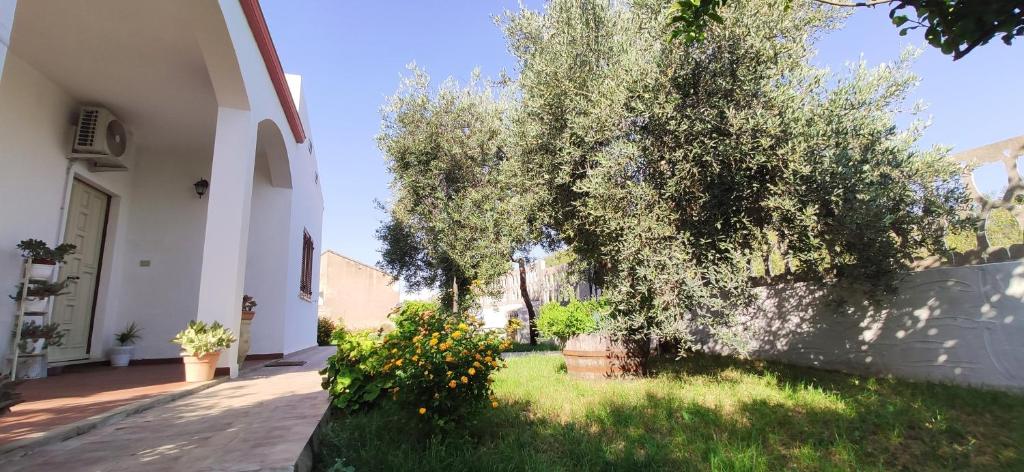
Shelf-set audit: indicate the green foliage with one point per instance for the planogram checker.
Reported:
(128, 335)
(324, 328)
(248, 303)
(670, 165)
(955, 27)
(434, 363)
(701, 413)
(542, 346)
(43, 289)
(354, 377)
(576, 317)
(200, 339)
(442, 362)
(40, 252)
(31, 331)
(459, 213)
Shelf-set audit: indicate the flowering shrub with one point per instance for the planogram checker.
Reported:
(565, 321)
(442, 362)
(434, 362)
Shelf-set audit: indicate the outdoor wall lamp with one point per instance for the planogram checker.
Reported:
(201, 187)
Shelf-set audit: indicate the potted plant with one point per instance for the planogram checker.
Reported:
(201, 345)
(38, 295)
(43, 258)
(245, 328)
(588, 353)
(35, 338)
(121, 354)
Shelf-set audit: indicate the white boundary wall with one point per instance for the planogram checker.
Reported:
(962, 325)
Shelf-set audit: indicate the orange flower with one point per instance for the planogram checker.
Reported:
(424, 410)
(398, 363)
(464, 379)
(493, 405)
(452, 384)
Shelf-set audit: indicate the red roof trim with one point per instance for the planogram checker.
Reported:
(258, 25)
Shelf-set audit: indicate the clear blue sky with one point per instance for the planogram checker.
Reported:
(351, 55)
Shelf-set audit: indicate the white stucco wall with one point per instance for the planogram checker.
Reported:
(155, 215)
(268, 243)
(7, 8)
(299, 316)
(960, 325)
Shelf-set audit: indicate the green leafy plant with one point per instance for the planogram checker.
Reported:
(200, 339)
(248, 303)
(434, 362)
(128, 335)
(41, 253)
(670, 165)
(955, 27)
(42, 289)
(32, 331)
(353, 376)
(563, 321)
(324, 328)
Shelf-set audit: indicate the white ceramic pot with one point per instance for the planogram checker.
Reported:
(41, 271)
(32, 367)
(36, 305)
(120, 356)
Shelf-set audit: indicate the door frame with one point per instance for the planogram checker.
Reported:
(77, 180)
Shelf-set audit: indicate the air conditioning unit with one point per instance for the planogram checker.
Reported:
(100, 138)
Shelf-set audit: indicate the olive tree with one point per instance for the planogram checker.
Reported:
(459, 214)
(670, 165)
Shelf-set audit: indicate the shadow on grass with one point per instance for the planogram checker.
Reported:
(865, 424)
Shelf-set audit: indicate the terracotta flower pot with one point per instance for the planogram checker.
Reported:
(201, 369)
(245, 335)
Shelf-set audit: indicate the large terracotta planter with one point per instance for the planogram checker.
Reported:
(201, 369)
(245, 335)
(592, 356)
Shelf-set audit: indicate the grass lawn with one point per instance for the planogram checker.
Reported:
(700, 413)
(541, 346)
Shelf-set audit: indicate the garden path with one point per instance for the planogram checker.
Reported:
(260, 421)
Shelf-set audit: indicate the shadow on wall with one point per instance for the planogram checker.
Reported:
(957, 324)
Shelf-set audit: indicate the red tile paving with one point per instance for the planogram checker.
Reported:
(81, 392)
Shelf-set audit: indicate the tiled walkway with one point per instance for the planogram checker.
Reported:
(260, 421)
(83, 392)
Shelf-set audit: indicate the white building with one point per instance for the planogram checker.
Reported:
(199, 88)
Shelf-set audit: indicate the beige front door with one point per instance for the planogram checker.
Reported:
(87, 220)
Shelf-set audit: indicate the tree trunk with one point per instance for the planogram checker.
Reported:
(455, 294)
(526, 300)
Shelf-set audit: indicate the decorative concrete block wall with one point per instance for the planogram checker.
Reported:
(961, 325)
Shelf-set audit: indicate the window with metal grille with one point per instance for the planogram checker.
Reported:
(306, 284)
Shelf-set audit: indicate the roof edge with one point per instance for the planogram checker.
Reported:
(261, 33)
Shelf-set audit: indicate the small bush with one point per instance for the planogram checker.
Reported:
(324, 328)
(353, 374)
(565, 321)
(435, 363)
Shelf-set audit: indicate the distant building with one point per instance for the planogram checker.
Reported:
(357, 295)
(544, 284)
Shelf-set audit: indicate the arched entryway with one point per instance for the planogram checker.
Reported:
(269, 221)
